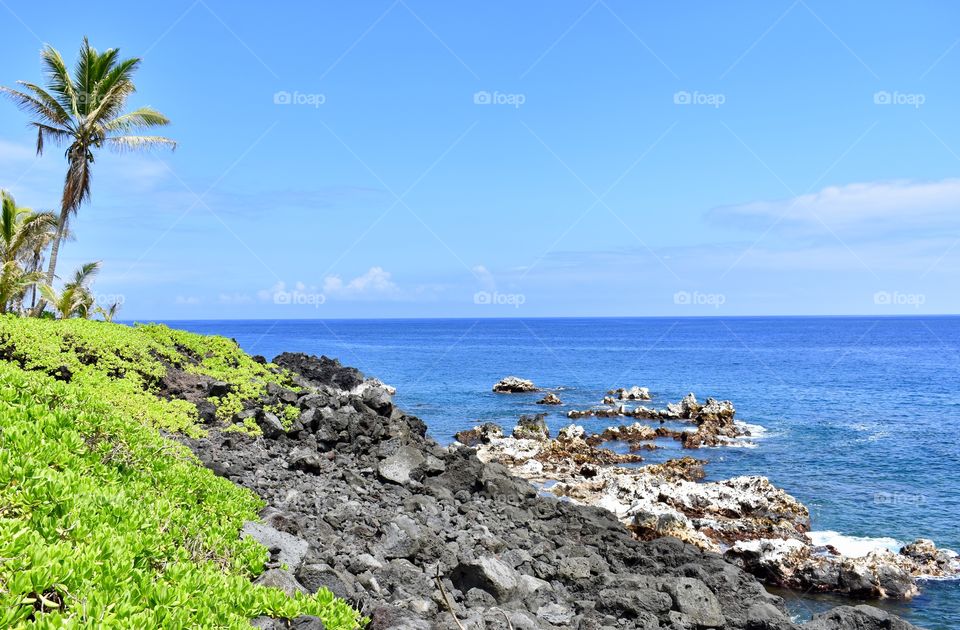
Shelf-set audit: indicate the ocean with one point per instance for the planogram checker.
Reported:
(857, 417)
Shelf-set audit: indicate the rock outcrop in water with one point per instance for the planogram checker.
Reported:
(756, 525)
(514, 385)
(633, 393)
(550, 399)
(362, 502)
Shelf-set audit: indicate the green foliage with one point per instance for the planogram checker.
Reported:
(124, 365)
(85, 112)
(23, 236)
(76, 298)
(104, 523)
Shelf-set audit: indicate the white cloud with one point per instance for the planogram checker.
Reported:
(863, 208)
(234, 298)
(375, 282)
(484, 277)
(187, 300)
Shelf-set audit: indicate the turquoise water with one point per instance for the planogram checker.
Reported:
(860, 414)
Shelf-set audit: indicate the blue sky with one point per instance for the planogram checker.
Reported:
(480, 159)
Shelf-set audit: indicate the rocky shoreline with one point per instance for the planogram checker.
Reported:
(419, 536)
(754, 524)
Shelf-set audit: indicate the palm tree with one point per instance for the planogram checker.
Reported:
(22, 233)
(75, 299)
(108, 313)
(85, 112)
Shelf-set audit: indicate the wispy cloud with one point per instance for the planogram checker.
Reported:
(858, 210)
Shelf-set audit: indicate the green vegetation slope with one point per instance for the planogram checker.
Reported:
(106, 523)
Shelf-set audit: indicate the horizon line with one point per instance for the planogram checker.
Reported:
(556, 317)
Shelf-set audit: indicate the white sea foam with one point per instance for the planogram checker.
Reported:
(756, 431)
(854, 546)
(876, 431)
(736, 443)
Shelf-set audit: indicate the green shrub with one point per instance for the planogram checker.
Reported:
(125, 364)
(105, 523)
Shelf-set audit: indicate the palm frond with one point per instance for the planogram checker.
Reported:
(142, 118)
(60, 115)
(83, 275)
(138, 143)
(49, 293)
(58, 78)
(44, 132)
(83, 76)
(31, 105)
(111, 90)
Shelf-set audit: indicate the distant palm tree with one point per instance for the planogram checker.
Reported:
(22, 233)
(85, 112)
(108, 313)
(75, 298)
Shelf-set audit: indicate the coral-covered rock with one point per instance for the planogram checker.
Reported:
(514, 385)
(550, 399)
(532, 428)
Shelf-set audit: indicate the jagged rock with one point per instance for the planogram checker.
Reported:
(314, 576)
(634, 393)
(480, 434)
(630, 434)
(532, 428)
(857, 618)
(306, 459)
(281, 579)
(318, 371)
(206, 411)
(285, 548)
(930, 561)
(692, 598)
(571, 433)
(307, 622)
(514, 385)
(270, 424)
(687, 408)
(550, 399)
(488, 574)
(715, 411)
(219, 389)
(397, 467)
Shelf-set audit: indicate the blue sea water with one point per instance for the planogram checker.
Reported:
(861, 415)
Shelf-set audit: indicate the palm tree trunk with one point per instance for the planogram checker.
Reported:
(54, 253)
